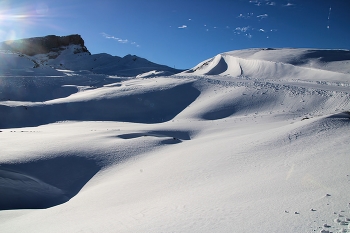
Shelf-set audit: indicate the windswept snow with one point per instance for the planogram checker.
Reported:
(248, 141)
(52, 181)
(286, 64)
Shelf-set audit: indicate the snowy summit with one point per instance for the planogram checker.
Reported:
(54, 54)
(252, 140)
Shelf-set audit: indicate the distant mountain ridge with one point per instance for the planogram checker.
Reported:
(70, 53)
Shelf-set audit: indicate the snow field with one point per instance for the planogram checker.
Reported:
(264, 150)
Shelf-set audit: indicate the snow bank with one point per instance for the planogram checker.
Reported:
(43, 183)
(248, 141)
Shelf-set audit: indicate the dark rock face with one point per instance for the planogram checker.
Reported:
(43, 45)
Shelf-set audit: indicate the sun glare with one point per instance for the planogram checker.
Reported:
(16, 19)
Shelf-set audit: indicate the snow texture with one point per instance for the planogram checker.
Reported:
(248, 141)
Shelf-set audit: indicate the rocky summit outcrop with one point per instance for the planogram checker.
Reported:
(43, 45)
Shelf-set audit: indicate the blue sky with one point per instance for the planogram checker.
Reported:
(181, 33)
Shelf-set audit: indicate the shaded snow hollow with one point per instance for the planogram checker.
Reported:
(248, 141)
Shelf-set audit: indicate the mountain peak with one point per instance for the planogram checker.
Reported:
(70, 53)
(43, 45)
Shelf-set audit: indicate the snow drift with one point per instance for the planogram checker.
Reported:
(248, 141)
(43, 183)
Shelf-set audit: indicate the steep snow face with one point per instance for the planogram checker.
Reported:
(332, 60)
(299, 64)
(259, 145)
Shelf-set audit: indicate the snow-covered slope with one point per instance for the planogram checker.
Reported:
(248, 141)
(16, 64)
(127, 66)
(51, 55)
(305, 64)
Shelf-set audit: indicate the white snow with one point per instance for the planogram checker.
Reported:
(248, 141)
(285, 64)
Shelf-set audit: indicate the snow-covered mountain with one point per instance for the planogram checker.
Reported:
(54, 55)
(248, 141)
(277, 63)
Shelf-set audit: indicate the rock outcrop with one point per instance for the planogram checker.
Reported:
(43, 45)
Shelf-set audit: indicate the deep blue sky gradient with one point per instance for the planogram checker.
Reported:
(181, 33)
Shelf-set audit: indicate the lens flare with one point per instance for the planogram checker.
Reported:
(17, 18)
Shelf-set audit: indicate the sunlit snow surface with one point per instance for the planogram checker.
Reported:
(248, 141)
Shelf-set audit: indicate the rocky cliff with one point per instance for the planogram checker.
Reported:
(43, 45)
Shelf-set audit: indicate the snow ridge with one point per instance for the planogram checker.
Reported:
(279, 64)
(247, 141)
